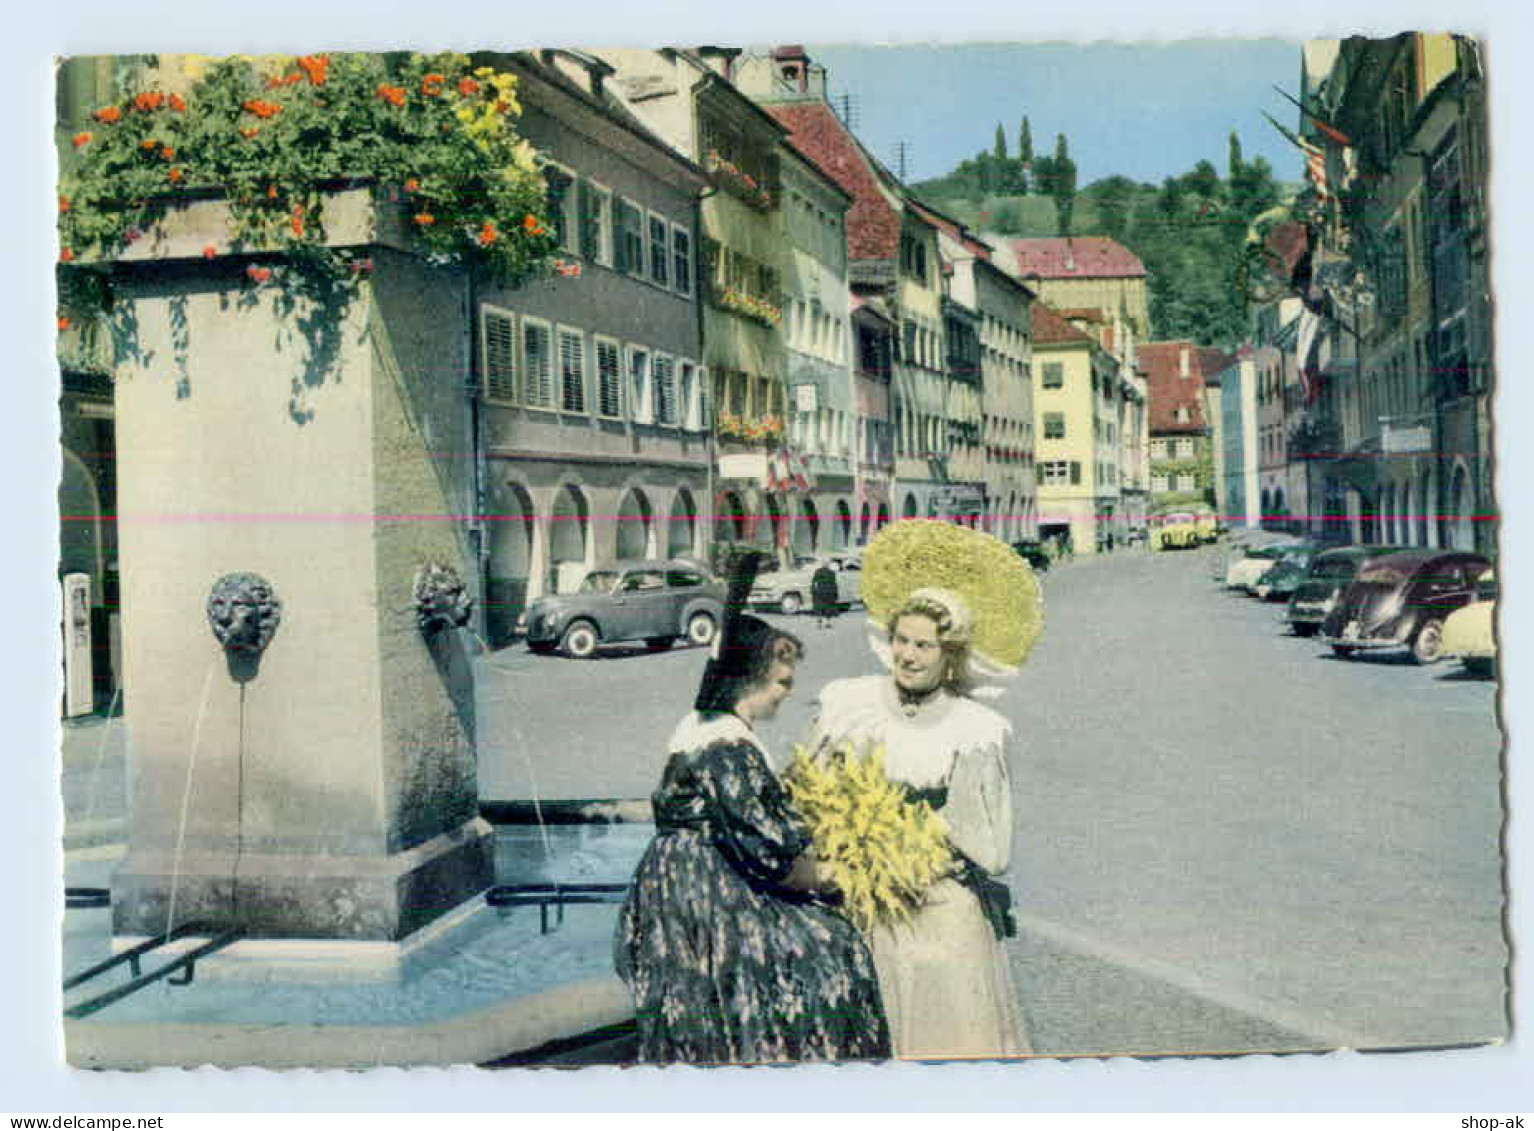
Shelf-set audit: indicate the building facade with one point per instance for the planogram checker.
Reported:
(593, 402)
(1181, 455)
(1238, 439)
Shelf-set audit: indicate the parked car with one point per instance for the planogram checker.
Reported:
(1247, 570)
(1280, 582)
(1468, 633)
(1402, 600)
(654, 601)
(1331, 571)
(789, 590)
(1034, 554)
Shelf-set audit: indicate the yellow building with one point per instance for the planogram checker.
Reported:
(1076, 439)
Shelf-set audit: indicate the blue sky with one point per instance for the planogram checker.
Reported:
(1147, 110)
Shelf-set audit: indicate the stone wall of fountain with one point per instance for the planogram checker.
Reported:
(331, 795)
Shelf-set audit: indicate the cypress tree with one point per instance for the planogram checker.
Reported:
(1024, 155)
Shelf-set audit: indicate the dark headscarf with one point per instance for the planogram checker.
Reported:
(737, 661)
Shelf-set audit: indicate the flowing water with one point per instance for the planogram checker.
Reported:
(186, 797)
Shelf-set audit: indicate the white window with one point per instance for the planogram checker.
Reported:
(681, 261)
(639, 384)
(663, 380)
(1159, 482)
(563, 198)
(1187, 481)
(609, 378)
(660, 250)
(572, 370)
(1056, 472)
(628, 236)
(687, 394)
(1184, 447)
(537, 364)
(596, 207)
(498, 357)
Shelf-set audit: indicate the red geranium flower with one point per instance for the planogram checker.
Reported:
(175, 175)
(467, 86)
(63, 322)
(258, 274)
(425, 219)
(209, 251)
(108, 114)
(487, 234)
(148, 101)
(431, 84)
(65, 255)
(260, 108)
(178, 104)
(63, 204)
(314, 66)
(393, 95)
(412, 185)
(82, 139)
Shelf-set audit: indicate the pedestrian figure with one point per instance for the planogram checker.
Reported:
(823, 595)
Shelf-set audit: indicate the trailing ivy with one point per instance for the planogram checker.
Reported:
(428, 133)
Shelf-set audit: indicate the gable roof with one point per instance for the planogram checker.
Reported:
(1050, 329)
(952, 228)
(815, 132)
(1075, 257)
(1168, 390)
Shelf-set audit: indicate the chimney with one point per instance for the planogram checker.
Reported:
(720, 60)
(1182, 361)
(791, 68)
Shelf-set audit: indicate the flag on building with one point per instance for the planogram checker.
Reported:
(1315, 156)
(1331, 131)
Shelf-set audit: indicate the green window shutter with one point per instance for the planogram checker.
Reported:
(1075, 473)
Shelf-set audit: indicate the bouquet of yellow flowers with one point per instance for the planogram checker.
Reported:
(883, 850)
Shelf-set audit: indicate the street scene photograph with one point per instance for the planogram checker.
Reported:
(779, 554)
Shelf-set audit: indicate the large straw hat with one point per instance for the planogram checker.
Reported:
(988, 575)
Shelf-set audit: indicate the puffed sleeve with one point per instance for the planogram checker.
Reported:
(754, 825)
(979, 808)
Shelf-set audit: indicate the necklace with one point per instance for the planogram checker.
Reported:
(912, 702)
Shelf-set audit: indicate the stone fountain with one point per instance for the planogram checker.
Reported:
(284, 461)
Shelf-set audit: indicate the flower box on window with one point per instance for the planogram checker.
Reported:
(748, 306)
(736, 181)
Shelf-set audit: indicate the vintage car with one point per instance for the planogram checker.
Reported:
(1178, 530)
(1034, 554)
(653, 601)
(1247, 570)
(1402, 600)
(1280, 582)
(789, 590)
(1468, 633)
(1331, 571)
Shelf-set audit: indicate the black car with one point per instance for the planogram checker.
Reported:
(1330, 572)
(1401, 601)
(653, 601)
(1280, 582)
(1034, 554)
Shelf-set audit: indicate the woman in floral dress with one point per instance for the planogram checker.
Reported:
(726, 940)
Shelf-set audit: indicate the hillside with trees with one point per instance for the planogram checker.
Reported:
(1189, 231)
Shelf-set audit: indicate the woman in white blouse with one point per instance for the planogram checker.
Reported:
(943, 974)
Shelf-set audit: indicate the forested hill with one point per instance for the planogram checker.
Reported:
(1188, 231)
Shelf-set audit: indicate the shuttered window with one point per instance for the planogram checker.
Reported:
(499, 357)
(609, 379)
(537, 364)
(664, 381)
(687, 394)
(639, 384)
(629, 232)
(596, 235)
(681, 261)
(660, 251)
(572, 371)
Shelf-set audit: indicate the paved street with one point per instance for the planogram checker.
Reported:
(1227, 840)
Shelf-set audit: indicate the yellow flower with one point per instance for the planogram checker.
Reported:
(883, 850)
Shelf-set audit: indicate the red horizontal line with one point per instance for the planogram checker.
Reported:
(290, 517)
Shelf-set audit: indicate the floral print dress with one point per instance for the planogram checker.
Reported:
(726, 966)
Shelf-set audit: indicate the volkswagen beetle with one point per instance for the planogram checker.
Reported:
(1402, 600)
(654, 601)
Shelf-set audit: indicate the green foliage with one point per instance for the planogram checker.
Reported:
(427, 132)
(1001, 144)
(1190, 231)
